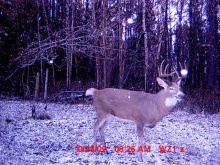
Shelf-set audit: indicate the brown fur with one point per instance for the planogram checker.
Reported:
(140, 107)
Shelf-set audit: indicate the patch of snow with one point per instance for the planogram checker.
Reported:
(192, 138)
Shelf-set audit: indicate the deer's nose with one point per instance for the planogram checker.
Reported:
(179, 96)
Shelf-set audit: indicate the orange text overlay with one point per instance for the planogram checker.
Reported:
(161, 148)
(90, 148)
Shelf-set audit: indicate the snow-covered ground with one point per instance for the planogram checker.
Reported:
(193, 139)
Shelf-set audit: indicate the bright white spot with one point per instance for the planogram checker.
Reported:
(129, 97)
(130, 20)
(184, 72)
(51, 62)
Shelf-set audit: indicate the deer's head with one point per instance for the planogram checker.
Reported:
(171, 88)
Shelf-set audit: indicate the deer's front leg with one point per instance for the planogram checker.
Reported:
(140, 133)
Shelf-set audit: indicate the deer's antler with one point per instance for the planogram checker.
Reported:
(164, 73)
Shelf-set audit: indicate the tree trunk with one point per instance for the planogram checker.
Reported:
(193, 44)
(37, 87)
(120, 54)
(76, 66)
(46, 84)
(105, 67)
(212, 10)
(166, 37)
(69, 49)
(97, 56)
(39, 41)
(146, 53)
(212, 69)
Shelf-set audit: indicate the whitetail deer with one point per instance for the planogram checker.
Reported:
(139, 107)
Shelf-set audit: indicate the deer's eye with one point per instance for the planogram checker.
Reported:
(171, 88)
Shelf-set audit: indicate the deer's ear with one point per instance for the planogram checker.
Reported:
(178, 82)
(161, 82)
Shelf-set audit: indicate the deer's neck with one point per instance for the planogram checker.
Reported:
(170, 102)
(167, 101)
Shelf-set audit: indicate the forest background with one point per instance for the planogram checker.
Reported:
(77, 44)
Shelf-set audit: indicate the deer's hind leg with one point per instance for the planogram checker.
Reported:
(102, 129)
(100, 124)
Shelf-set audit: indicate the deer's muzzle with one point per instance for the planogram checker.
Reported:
(179, 96)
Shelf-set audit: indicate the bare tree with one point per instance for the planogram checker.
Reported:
(104, 28)
(69, 47)
(146, 53)
(95, 42)
(120, 45)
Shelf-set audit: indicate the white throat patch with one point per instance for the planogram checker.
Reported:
(171, 101)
